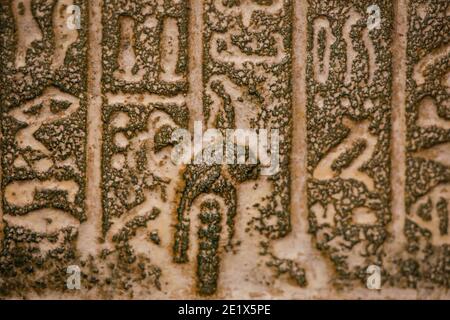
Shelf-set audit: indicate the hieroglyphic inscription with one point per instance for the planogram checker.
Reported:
(348, 128)
(246, 85)
(223, 230)
(145, 47)
(427, 254)
(43, 121)
(144, 82)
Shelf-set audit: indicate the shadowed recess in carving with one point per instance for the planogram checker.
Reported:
(27, 30)
(323, 40)
(64, 36)
(128, 68)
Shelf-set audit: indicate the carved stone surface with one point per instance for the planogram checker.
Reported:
(224, 149)
(43, 120)
(426, 258)
(348, 127)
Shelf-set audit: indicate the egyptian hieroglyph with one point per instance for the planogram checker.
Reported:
(349, 78)
(339, 111)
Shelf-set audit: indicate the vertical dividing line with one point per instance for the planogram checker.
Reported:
(298, 166)
(90, 231)
(299, 241)
(299, 98)
(195, 74)
(398, 134)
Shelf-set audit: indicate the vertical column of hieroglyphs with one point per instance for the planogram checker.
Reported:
(426, 257)
(43, 121)
(144, 84)
(246, 86)
(348, 128)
